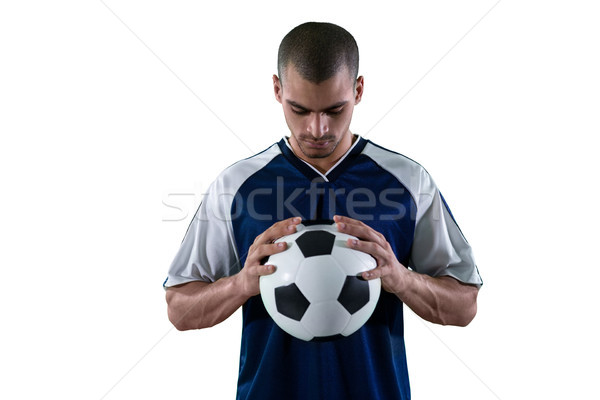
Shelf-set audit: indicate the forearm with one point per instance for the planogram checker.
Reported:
(441, 300)
(197, 305)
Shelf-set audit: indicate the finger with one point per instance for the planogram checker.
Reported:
(375, 273)
(342, 219)
(360, 230)
(278, 230)
(372, 248)
(349, 223)
(263, 251)
(268, 269)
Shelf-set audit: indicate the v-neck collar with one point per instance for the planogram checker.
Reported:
(311, 172)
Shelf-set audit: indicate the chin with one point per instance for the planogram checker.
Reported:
(318, 153)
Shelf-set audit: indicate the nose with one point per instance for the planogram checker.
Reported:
(317, 125)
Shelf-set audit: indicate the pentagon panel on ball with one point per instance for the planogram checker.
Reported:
(316, 292)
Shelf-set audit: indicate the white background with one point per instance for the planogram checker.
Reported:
(111, 110)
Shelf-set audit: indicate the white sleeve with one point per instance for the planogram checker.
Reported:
(439, 247)
(208, 251)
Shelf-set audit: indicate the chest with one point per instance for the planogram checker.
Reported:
(363, 191)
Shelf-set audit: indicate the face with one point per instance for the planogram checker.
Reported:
(319, 115)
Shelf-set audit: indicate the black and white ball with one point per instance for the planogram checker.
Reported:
(316, 292)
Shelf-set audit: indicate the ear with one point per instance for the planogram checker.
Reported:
(358, 89)
(277, 88)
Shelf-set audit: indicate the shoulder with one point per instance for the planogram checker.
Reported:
(409, 172)
(232, 177)
(389, 159)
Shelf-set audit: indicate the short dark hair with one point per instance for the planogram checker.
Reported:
(318, 50)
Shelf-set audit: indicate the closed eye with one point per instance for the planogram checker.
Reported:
(299, 111)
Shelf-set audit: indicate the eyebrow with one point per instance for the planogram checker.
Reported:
(332, 107)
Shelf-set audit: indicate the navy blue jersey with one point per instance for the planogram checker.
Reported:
(387, 191)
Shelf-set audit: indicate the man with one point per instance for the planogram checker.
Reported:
(323, 171)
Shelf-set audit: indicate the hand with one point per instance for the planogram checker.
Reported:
(389, 269)
(263, 247)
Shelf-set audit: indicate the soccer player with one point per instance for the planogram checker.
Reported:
(323, 171)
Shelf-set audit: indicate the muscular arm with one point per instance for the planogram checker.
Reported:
(197, 305)
(441, 300)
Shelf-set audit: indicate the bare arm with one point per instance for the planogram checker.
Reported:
(196, 305)
(441, 300)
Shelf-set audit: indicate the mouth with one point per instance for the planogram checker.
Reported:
(317, 145)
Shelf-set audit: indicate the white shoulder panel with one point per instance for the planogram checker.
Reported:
(439, 247)
(208, 251)
(408, 172)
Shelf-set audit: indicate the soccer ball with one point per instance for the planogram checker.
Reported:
(316, 292)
